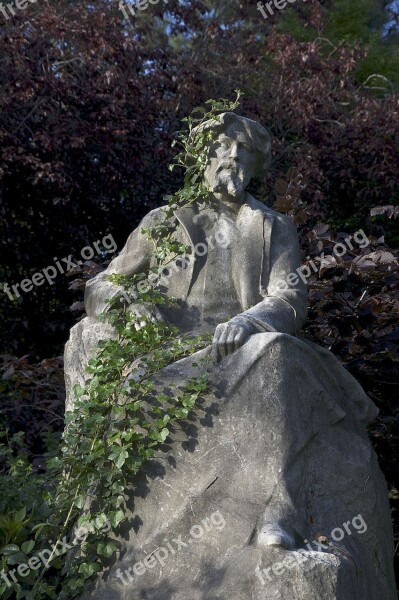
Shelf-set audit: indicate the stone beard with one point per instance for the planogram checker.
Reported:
(229, 179)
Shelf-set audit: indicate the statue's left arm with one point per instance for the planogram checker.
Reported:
(284, 307)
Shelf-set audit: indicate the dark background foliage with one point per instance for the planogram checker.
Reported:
(90, 103)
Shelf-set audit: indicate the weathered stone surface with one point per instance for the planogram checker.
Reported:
(246, 458)
(277, 454)
(80, 347)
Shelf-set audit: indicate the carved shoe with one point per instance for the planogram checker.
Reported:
(274, 535)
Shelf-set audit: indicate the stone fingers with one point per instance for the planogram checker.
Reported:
(233, 333)
(228, 337)
(217, 356)
(240, 338)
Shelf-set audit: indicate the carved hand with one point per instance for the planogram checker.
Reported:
(229, 337)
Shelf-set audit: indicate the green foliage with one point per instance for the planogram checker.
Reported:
(194, 147)
(116, 425)
(354, 21)
(346, 23)
(363, 22)
(379, 70)
(120, 416)
(86, 138)
(22, 528)
(16, 487)
(294, 23)
(86, 142)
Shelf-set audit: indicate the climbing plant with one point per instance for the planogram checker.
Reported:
(120, 417)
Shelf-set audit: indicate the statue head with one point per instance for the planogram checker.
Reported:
(239, 151)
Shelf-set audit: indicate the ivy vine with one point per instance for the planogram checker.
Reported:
(119, 417)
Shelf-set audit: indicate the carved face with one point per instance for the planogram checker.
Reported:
(231, 163)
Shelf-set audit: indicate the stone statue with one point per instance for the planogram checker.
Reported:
(274, 491)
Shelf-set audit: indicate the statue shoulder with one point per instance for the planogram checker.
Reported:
(157, 215)
(269, 212)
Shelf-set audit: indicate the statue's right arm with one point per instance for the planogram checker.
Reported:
(134, 258)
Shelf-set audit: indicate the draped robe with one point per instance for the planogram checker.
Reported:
(281, 435)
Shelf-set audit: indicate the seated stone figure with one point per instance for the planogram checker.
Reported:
(281, 453)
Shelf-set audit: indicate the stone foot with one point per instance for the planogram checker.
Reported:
(274, 535)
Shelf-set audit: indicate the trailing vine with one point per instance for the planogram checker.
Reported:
(120, 418)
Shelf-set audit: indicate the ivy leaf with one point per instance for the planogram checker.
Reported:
(10, 549)
(89, 569)
(80, 501)
(120, 461)
(116, 517)
(17, 558)
(100, 520)
(20, 515)
(189, 401)
(163, 434)
(106, 549)
(27, 546)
